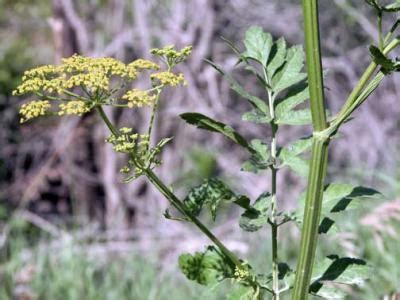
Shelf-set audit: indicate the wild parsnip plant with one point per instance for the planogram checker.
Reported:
(80, 85)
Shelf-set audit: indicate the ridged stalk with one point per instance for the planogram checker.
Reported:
(311, 219)
(319, 153)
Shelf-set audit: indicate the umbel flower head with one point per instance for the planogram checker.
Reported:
(79, 83)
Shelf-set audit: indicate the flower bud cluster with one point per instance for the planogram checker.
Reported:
(171, 56)
(128, 142)
(241, 273)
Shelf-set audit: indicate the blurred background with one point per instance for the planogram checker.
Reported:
(70, 229)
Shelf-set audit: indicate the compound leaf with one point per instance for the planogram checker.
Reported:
(212, 192)
(206, 268)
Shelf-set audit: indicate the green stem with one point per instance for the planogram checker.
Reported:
(106, 120)
(314, 65)
(175, 202)
(358, 88)
(153, 115)
(311, 218)
(319, 153)
(380, 30)
(354, 100)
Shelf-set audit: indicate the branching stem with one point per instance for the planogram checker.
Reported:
(174, 200)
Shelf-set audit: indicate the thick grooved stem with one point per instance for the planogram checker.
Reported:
(319, 154)
(311, 218)
(314, 65)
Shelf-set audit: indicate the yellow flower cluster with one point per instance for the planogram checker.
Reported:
(82, 83)
(39, 84)
(78, 71)
(128, 142)
(73, 107)
(138, 98)
(168, 78)
(34, 109)
(80, 64)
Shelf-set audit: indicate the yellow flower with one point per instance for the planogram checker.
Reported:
(168, 78)
(33, 109)
(138, 98)
(73, 107)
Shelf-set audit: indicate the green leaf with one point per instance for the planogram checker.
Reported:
(289, 156)
(283, 270)
(337, 198)
(256, 102)
(380, 59)
(295, 117)
(212, 192)
(205, 268)
(257, 216)
(296, 163)
(295, 96)
(277, 57)
(290, 73)
(393, 7)
(260, 157)
(258, 44)
(256, 117)
(341, 196)
(300, 146)
(241, 293)
(204, 122)
(334, 272)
